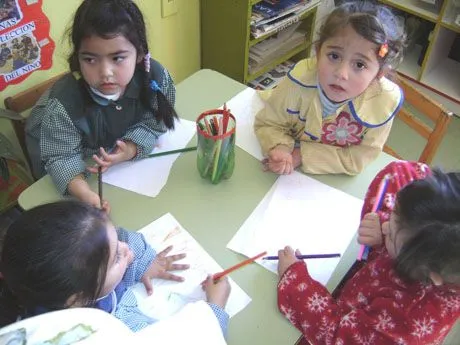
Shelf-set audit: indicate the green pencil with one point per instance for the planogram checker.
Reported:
(185, 149)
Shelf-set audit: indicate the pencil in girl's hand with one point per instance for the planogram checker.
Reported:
(307, 256)
(99, 184)
(364, 250)
(219, 275)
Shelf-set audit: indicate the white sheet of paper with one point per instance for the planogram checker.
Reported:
(196, 323)
(307, 215)
(193, 324)
(148, 176)
(169, 296)
(244, 106)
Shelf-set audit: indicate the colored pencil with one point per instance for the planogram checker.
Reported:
(208, 126)
(185, 149)
(363, 249)
(99, 183)
(226, 117)
(219, 275)
(307, 256)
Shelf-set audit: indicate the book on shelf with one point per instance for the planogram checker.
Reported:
(269, 9)
(267, 25)
(272, 78)
(259, 18)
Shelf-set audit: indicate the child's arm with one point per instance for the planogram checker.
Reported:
(272, 125)
(320, 158)
(385, 320)
(79, 188)
(217, 294)
(145, 133)
(60, 146)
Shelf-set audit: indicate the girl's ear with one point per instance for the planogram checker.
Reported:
(74, 301)
(140, 57)
(436, 279)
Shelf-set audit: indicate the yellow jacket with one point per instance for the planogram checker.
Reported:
(344, 142)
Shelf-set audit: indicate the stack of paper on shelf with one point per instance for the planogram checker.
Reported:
(274, 47)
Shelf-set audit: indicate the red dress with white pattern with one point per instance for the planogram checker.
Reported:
(375, 306)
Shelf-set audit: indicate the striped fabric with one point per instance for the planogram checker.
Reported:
(329, 107)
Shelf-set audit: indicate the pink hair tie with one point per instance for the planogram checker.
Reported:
(147, 62)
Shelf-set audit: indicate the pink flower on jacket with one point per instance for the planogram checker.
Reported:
(343, 131)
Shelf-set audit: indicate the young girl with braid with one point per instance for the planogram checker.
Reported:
(112, 107)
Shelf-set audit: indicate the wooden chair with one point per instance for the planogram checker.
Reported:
(21, 102)
(432, 110)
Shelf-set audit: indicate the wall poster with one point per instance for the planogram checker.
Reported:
(25, 42)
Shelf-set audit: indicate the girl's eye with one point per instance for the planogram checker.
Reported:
(88, 59)
(333, 56)
(360, 65)
(118, 58)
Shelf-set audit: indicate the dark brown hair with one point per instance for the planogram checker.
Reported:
(53, 253)
(428, 217)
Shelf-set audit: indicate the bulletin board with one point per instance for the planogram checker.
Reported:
(25, 42)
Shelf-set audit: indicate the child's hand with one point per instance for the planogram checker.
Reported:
(370, 230)
(217, 292)
(286, 257)
(279, 161)
(80, 189)
(123, 151)
(93, 199)
(160, 268)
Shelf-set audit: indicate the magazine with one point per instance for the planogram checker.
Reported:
(272, 78)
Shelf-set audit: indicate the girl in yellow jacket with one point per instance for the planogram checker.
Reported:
(332, 114)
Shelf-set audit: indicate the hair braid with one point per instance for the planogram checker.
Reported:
(165, 112)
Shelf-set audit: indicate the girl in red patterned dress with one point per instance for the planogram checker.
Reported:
(408, 292)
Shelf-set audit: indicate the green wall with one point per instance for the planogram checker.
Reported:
(174, 41)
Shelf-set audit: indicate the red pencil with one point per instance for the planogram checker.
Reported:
(225, 123)
(219, 275)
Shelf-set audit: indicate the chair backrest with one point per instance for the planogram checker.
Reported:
(429, 108)
(23, 101)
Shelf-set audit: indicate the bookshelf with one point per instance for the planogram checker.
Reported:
(432, 65)
(226, 38)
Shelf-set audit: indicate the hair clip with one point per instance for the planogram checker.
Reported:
(147, 62)
(383, 51)
(154, 85)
